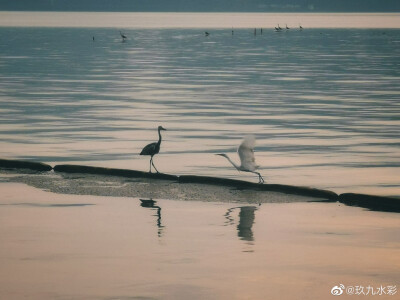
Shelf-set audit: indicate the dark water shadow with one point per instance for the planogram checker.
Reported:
(150, 203)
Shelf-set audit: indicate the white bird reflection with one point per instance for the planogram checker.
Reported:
(246, 221)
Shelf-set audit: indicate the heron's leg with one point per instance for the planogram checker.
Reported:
(154, 166)
(151, 160)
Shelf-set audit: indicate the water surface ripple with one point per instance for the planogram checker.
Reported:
(323, 103)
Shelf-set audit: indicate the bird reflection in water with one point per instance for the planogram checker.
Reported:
(246, 221)
(150, 203)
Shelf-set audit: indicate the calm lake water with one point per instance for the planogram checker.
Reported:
(56, 246)
(323, 103)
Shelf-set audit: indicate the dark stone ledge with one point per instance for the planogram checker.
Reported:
(21, 164)
(287, 189)
(378, 203)
(112, 172)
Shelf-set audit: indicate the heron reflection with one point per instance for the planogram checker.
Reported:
(150, 203)
(246, 221)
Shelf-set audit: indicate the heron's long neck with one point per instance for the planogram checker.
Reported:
(235, 165)
(159, 137)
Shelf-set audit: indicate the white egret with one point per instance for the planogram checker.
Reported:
(246, 155)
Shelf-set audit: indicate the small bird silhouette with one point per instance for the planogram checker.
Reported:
(124, 37)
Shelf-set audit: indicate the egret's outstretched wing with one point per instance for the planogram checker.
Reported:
(246, 153)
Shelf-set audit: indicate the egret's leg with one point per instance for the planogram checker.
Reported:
(260, 178)
(154, 166)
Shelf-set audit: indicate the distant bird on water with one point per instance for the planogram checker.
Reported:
(153, 149)
(246, 155)
(287, 27)
(124, 37)
(206, 33)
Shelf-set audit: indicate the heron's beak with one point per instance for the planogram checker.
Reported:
(220, 154)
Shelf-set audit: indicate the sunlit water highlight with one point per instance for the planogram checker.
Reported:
(323, 103)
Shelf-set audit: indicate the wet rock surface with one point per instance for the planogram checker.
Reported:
(91, 184)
